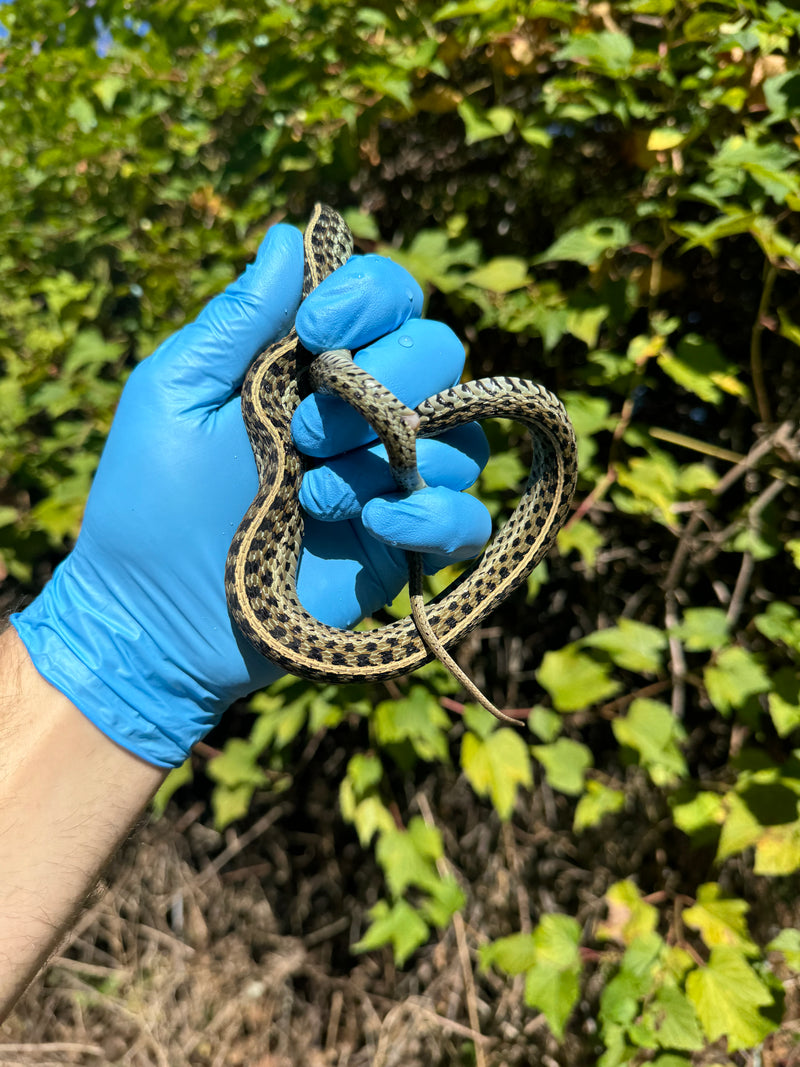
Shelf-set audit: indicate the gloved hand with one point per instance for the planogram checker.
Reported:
(134, 626)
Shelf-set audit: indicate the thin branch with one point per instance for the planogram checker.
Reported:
(756, 362)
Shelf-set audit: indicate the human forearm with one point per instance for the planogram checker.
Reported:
(68, 797)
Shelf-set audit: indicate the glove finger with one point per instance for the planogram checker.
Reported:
(366, 576)
(208, 359)
(366, 298)
(443, 525)
(414, 362)
(340, 489)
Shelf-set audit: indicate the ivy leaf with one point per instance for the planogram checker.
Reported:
(400, 926)
(702, 629)
(446, 898)
(587, 244)
(237, 764)
(418, 719)
(608, 52)
(500, 275)
(778, 850)
(544, 723)
(698, 366)
(552, 984)
(496, 766)
(740, 828)
(631, 645)
(650, 729)
(721, 921)
(575, 680)
(597, 802)
(514, 954)
(784, 701)
(788, 944)
(584, 538)
(503, 470)
(672, 1021)
(727, 994)
(407, 856)
(564, 762)
(780, 622)
(177, 777)
(629, 917)
(735, 676)
(365, 772)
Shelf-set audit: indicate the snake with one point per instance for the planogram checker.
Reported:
(261, 566)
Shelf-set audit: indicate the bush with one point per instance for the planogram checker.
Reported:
(599, 196)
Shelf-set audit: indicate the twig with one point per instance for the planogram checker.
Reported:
(241, 842)
(53, 1047)
(461, 941)
(756, 362)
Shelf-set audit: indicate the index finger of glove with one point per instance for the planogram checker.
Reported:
(415, 362)
(367, 297)
(207, 360)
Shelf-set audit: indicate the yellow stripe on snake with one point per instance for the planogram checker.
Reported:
(262, 560)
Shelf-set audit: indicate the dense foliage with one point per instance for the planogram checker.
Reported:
(602, 196)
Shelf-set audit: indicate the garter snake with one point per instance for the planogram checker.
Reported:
(262, 560)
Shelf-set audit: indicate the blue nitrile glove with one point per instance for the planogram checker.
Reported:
(134, 626)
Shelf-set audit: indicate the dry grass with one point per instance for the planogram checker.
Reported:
(208, 950)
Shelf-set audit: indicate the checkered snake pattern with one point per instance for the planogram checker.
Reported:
(262, 560)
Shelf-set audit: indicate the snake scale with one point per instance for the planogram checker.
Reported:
(262, 560)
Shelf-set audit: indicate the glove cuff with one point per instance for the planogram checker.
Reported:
(82, 641)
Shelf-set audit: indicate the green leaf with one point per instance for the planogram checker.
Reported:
(727, 994)
(446, 898)
(784, 701)
(565, 763)
(740, 828)
(237, 765)
(544, 723)
(400, 926)
(482, 125)
(575, 680)
(699, 367)
(496, 766)
(513, 954)
(629, 917)
(84, 114)
(720, 920)
(588, 244)
(502, 274)
(597, 802)
(107, 89)
(702, 812)
(631, 645)
(650, 729)
(766, 163)
(672, 1020)
(176, 778)
(419, 719)
(702, 629)
(503, 470)
(780, 622)
(608, 52)
(231, 803)
(583, 537)
(787, 943)
(778, 850)
(365, 772)
(552, 984)
(664, 138)
(408, 856)
(735, 676)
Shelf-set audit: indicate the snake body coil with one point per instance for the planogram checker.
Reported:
(262, 561)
